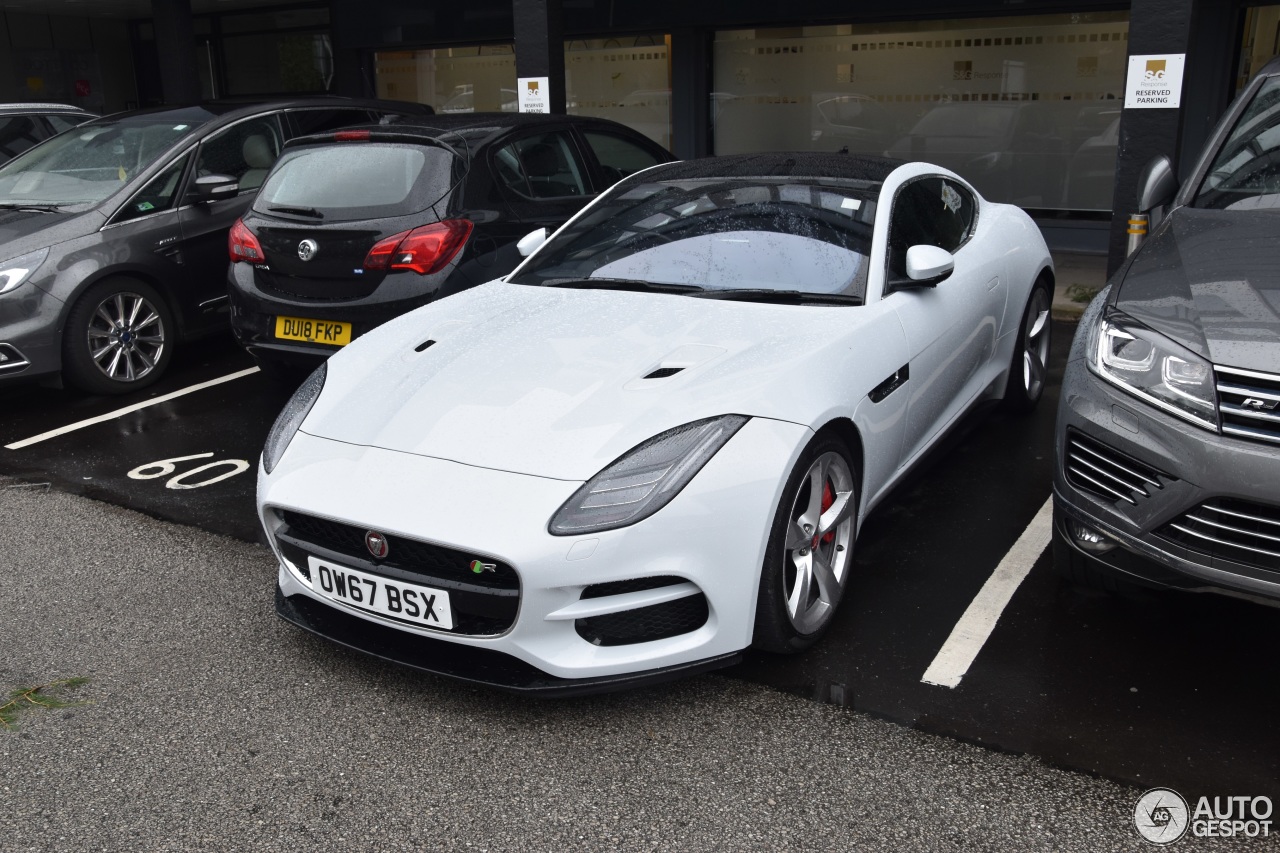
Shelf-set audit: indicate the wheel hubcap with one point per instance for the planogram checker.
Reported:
(818, 542)
(126, 337)
(1035, 345)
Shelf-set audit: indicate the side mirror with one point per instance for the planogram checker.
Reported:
(927, 265)
(530, 242)
(1157, 184)
(215, 187)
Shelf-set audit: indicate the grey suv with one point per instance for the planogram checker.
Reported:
(113, 235)
(1168, 435)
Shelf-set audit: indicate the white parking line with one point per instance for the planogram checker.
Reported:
(970, 634)
(110, 416)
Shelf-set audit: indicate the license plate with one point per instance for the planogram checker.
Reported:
(313, 331)
(407, 602)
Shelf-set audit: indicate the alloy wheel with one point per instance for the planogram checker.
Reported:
(1035, 344)
(126, 337)
(817, 548)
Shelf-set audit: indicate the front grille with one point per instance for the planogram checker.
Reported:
(483, 603)
(1241, 531)
(1093, 467)
(409, 555)
(1249, 403)
(645, 624)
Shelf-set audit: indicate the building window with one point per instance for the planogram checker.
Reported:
(1027, 109)
(627, 79)
(476, 78)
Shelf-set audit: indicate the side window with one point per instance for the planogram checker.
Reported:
(17, 134)
(158, 194)
(930, 211)
(618, 157)
(245, 151)
(542, 166)
(306, 122)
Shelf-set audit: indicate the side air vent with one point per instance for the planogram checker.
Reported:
(664, 372)
(600, 590)
(1249, 403)
(1231, 529)
(1093, 467)
(423, 346)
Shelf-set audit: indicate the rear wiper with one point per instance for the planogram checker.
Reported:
(622, 284)
(794, 297)
(298, 211)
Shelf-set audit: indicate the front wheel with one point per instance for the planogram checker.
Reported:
(118, 338)
(1029, 368)
(810, 551)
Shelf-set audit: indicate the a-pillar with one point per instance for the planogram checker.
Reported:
(539, 27)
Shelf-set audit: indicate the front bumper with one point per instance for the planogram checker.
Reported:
(1196, 468)
(710, 540)
(30, 343)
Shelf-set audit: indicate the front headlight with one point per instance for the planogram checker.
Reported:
(644, 479)
(292, 416)
(14, 272)
(1149, 365)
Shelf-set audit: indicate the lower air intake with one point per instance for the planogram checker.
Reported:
(645, 624)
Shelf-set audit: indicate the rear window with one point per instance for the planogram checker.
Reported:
(347, 181)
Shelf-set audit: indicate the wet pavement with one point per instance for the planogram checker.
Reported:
(1166, 689)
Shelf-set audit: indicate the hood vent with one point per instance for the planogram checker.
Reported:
(664, 372)
(424, 345)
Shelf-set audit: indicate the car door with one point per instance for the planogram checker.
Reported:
(246, 151)
(951, 328)
(146, 231)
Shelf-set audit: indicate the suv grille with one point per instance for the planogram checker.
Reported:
(1240, 531)
(1249, 403)
(1093, 467)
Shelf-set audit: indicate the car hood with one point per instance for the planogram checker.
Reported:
(551, 382)
(23, 231)
(1209, 280)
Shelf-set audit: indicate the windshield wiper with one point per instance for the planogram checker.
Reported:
(622, 284)
(40, 208)
(309, 212)
(791, 297)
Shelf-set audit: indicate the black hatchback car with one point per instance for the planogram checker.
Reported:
(355, 227)
(113, 234)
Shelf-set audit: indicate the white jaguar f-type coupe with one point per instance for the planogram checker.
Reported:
(651, 446)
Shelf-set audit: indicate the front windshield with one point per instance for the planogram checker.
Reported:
(811, 235)
(86, 164)
(1246, 171)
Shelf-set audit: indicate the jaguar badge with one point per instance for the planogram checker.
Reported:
(376, 543)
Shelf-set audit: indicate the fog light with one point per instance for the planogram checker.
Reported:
(1089, 539)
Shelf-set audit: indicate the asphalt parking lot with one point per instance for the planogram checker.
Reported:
(1163, 690)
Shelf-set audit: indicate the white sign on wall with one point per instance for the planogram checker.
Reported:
(535, 94)
(1154, 81)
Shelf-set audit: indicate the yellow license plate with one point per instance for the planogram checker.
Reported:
(313, 331)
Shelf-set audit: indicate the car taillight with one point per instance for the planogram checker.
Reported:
(424, 250)
(351, 136)
(243, 245)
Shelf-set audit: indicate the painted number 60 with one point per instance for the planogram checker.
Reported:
(165, 467)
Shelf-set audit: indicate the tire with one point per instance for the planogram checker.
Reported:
(119, 337)
(1029, 367)
(798, 600)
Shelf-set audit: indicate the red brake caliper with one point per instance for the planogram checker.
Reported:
(828, 498)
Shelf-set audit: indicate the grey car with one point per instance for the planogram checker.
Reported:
(113, 235)
(1168, 433)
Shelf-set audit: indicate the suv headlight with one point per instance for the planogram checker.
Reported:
(1149, 365)
(292, 416)
(644, 479)
(14, 272)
